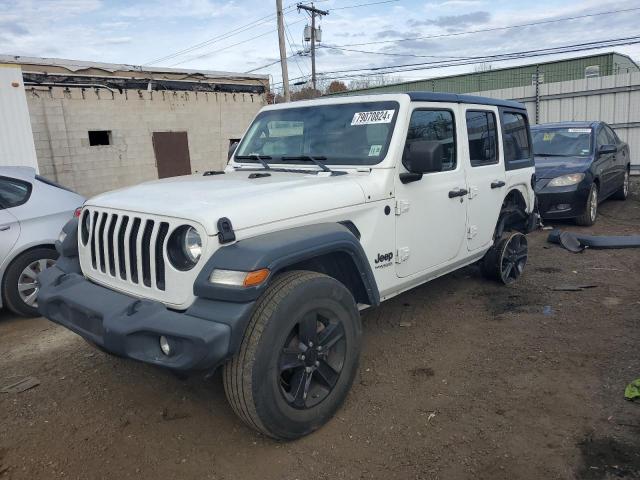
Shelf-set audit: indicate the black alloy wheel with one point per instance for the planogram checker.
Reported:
(514, 252)
(312, 359)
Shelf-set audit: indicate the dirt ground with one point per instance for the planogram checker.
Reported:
(459, 378)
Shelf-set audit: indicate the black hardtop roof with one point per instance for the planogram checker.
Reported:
(457, 98)
(583, 124)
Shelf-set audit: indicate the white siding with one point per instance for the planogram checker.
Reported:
(16, 139)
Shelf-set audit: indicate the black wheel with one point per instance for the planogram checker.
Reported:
(590, 214)
(623, 192)
(20, 285)
(298, 357)
(505, 261)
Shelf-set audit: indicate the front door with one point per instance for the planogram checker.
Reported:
(431, 213)
(172, 153)
(486, 177)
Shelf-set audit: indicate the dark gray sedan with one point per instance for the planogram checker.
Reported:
(578, 165)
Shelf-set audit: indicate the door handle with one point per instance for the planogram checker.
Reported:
(497, 184)
(460, 192)
(4, 228)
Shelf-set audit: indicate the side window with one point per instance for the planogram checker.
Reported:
(483, 145)
(602, 138)
(613, 138)
(13, 192)
(515, 137)
(435, 125)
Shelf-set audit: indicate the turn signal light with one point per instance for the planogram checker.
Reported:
(256, 278)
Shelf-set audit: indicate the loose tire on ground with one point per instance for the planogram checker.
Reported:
(505, 261)
(590, 214)
(277, 353)
(20, 286)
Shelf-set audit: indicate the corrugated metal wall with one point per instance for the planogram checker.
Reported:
(614, 99)
(560, 71)
(16, 139)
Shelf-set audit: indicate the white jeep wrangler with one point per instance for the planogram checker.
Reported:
(326, 207)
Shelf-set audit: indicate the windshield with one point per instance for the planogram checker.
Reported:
(344, 134)
(562, 142)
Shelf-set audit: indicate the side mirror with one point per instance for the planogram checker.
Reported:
(232, 149)
(604, 149)
(423, 156)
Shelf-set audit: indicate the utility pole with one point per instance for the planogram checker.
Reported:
(283, 53)
(313, 12)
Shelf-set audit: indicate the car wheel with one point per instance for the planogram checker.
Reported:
(20, 286)
(298, 357)
(505, 261)
(590, 214)
(623, 191)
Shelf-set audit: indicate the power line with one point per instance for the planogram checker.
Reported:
(475, 60)
(223, 36)
(491, 29)
(290, 42)
(363, 5)
(213, 52)
(332, 47)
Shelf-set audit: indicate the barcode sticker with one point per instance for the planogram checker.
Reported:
(579, 130)
(369, 118)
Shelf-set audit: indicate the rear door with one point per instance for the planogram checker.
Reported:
(430, 222)
(605, 164)
(13, 193)
(486, 177)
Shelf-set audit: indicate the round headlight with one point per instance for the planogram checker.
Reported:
(84, 227)
(192, 244)
(184, 247)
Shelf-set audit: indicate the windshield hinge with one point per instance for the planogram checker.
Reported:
(402, 206)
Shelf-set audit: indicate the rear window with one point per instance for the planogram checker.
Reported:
(13, 192)
(515, 137)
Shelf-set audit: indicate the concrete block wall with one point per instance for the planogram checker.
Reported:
(61, 120)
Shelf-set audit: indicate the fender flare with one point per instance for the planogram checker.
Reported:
(279, 250)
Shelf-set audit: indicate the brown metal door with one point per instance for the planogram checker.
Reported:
(172, 153)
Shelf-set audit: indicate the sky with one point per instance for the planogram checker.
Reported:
(141, 32)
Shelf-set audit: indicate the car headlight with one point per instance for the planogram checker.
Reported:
(184, 247)
(566, 180)
(192, 245)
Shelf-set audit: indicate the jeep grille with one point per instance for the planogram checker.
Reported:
(127, 247)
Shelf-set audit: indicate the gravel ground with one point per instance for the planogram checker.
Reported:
(459, 378)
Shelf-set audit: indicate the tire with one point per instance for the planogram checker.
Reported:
(505, 261)
(22, 272)
(276, 355)
(590, 214)
(623, 192)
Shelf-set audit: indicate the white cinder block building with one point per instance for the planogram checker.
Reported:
(97, 127)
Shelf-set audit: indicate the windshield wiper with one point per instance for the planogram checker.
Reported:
(309, 158)
(258, 158)
(552, 155)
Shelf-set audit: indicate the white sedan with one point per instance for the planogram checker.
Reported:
(33, 211)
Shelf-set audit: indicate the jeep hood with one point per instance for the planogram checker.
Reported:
(247, 202)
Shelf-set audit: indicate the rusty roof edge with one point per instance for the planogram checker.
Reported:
(79, 65)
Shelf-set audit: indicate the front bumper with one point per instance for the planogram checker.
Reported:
(558, 203)
(201, 337)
